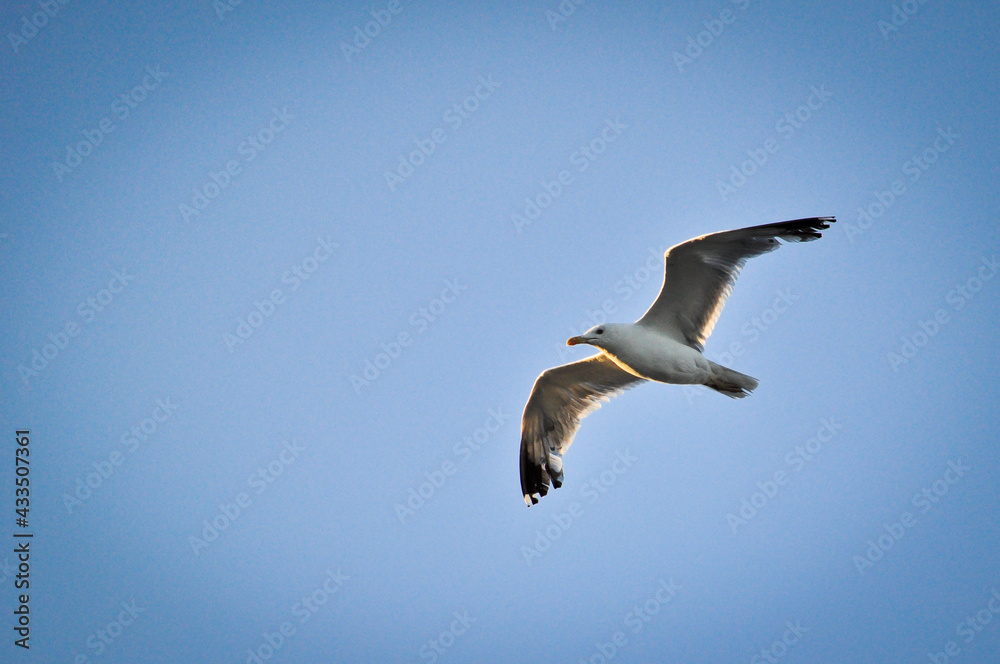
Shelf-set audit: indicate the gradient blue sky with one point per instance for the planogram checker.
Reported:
(319, 465)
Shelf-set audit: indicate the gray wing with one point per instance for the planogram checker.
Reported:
(700, 274)
(561, 398)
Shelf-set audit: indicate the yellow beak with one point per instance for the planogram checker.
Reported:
(572, 341)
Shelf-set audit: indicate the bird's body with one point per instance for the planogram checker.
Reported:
(647, 353)
(665, 345)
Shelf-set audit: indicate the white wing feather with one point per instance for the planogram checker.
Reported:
(699, 275)
(561, 398)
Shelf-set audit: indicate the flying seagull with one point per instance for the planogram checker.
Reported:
(665, 345)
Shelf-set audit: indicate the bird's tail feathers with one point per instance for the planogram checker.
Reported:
(731, 383)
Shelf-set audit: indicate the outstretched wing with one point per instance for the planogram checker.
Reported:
(700, 274)
(561, 397)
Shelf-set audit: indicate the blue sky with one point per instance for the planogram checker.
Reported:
(278, 280)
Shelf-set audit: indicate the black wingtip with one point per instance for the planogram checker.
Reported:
(535, 479)
(803, 230)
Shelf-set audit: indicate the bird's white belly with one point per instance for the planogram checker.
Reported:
(656, 357)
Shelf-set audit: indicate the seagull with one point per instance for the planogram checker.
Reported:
(666, 345)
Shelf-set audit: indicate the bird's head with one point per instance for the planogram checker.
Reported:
(599, 336)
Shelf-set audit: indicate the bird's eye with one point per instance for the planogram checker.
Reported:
(600, 331)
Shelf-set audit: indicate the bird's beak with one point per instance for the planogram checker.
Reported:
(572, 341)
